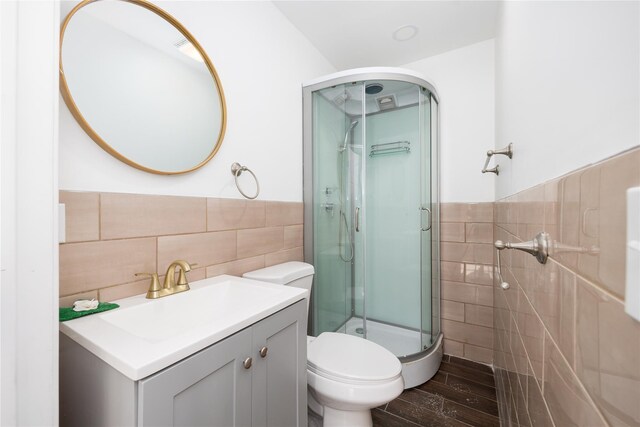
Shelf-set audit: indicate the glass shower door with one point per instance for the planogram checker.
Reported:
(371, 212)
(430, 273)
(337, 141)
(392, 216)
(433, 284)
(375, 215)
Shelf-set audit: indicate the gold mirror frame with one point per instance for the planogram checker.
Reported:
(75, 111)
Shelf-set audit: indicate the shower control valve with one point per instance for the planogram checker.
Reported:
(328, 207)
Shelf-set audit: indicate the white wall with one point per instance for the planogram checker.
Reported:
(567, 90)
(262, 59)
(28, 213)
(464, 79)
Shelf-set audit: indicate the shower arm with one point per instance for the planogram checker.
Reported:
(343, 147)
(506, 151)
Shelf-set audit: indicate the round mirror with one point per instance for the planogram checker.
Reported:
(141, 86)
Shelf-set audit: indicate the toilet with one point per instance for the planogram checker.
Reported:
(347, 376)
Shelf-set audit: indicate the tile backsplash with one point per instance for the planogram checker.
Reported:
(467, 279)
(565, 352)
(110, 237)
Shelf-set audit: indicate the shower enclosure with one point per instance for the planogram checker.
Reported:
(371, 207)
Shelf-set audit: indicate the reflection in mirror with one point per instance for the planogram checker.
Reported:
(142, 89)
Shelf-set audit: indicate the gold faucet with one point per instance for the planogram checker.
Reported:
(170, 286)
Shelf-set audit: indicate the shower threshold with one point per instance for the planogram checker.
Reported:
(398, 340)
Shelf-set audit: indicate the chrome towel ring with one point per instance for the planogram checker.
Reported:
(236, 171)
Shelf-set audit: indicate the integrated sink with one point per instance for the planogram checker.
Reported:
(186, 311)
(144, 336)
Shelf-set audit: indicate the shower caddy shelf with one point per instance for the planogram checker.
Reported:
(390, 148)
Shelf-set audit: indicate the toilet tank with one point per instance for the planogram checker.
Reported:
(294, 273)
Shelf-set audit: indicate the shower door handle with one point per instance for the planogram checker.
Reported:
(357, 219)
(422, 211)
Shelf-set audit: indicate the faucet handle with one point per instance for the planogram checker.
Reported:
(154, 286)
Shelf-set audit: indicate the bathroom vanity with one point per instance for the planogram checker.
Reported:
(230, 352)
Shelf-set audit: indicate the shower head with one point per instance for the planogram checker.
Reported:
(346, 136)
(373, 88)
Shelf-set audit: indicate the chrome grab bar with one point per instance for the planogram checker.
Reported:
(538, 247)
(506, 151)
(357, 219)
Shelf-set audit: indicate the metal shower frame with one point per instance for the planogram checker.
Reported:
(352, 76)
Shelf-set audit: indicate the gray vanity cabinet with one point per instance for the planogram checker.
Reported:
(210, 388)
(279, 393)
(214, 387)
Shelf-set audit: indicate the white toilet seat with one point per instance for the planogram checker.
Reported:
(350, 373)
(352, 360)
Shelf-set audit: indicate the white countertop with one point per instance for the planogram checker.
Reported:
(144, 336)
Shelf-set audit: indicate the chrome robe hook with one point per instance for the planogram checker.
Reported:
(506, 151)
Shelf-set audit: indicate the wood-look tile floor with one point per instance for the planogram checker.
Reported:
(461, 394)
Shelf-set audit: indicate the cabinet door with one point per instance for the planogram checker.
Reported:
(211, 388)
(280, 377)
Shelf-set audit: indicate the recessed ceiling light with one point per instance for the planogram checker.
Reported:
(405, 33)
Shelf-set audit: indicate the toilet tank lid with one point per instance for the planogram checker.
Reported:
(281, 273)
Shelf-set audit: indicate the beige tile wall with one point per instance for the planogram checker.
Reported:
(467, 278)
(110, 237)
(565, 352)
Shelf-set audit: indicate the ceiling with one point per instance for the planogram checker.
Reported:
(354, 34)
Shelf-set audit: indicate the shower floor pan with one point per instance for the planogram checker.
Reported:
(417, 368)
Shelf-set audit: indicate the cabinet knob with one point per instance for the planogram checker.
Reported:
(264, 351)
(247, 363)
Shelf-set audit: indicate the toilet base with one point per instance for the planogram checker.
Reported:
(339, 418)
(331, 417)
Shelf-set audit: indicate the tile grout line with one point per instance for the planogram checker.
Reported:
(495, 399)
(469, 407)
(402, 418)
(206, 214)
(484, 365)
(589, 282)
(473, 381)
(99, 216)
(460, 403)
(574, 321)
(547, 333)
